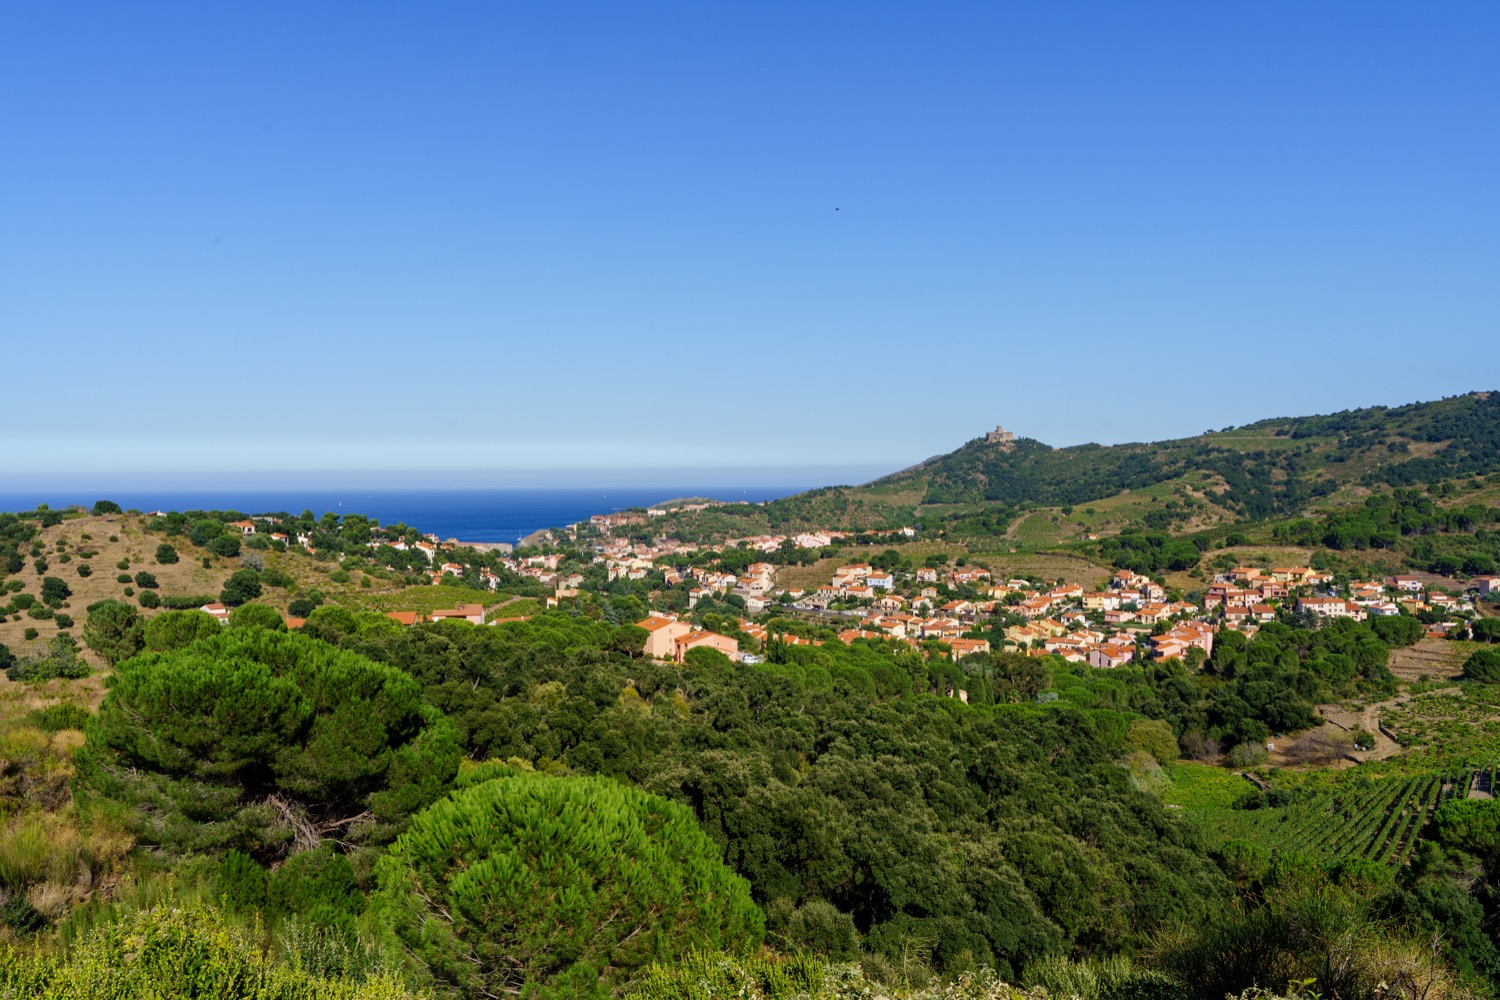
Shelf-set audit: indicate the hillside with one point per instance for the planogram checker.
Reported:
(1277, 467)
(112, 549)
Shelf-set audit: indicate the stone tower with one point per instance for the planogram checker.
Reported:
(1004, 438)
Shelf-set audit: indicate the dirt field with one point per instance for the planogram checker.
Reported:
(1435, 659)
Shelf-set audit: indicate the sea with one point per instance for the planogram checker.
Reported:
(470, 515)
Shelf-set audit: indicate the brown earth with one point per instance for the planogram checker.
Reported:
(1436, 659)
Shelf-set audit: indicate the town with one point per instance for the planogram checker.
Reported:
(727, 596)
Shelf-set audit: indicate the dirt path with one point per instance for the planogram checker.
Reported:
(1368, 719)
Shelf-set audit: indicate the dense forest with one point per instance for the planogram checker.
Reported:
(474, 810)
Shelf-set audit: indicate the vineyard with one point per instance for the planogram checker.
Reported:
(1377, 820)
(1445, 730)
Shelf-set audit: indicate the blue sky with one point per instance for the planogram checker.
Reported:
(567, 242)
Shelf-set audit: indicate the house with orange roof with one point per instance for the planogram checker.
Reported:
(1109, 656)
(968, 647)
(702, 638)
(662, 634)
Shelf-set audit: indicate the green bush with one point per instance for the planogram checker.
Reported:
(105, 507)
(114, 630)
(123, 564)
(146, 581)
(149, 599)
(569, 887)
(240, 881)
(20, 916)
(60, 659)
(30, 634)
(1483, 666)
(124, 578)
(256, 616)
(55, 590)
(56, 718)
(84, 569)
(176, 629)
(319, 884)
(62, 620)
(244, 737)
(277, 578)
(227, 546)
(166, 555)
(242, 586)
(187, 602)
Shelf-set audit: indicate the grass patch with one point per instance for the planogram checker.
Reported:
(425, 599)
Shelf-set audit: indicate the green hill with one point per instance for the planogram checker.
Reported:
(1273, 468)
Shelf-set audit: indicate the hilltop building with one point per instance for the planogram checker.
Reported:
(1001, 436)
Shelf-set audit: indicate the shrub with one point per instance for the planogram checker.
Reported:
(62, 620)
(124, 578)
(586, 882)
(40, 612)
(1247, 754)
(339, 576)
(179, 953)
(205, 530)
(187, 602)
(227, 546)
(84, 569)
(242, 586)
(256, 616)
(114, 630)
(166, 555)
(20, 916)
(23, 601)
(30, 634)
(123, 564)
(1483, 666)
(318, 883)
(176, 629)
(59, 660)
(105, 507)
(1155, 737)
(277, 578)
(149, 599)
(240, 881)
(251, 738)
(56, 718)
(55, 590)
(301, 607)
(40, 565)
(146, 581)
(1397, 630)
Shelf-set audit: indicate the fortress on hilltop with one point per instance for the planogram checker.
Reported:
(1002, 437)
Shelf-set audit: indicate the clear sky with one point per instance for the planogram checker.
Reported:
(561, 242)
